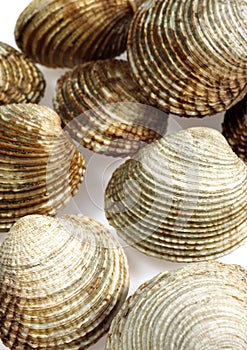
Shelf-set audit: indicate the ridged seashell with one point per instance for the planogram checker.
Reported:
(103, 109)
(20, 80)
(181, 198)
(235, 128)
(200, 307)
(190, 57)
(63, 33)
(40, 167)
(62, 282)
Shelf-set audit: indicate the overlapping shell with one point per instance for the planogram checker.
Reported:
(40, 167)
(181, 198)
(104, 110)
(199, 307)
(20, 80)
(190, 57)
(235, 128)
(63, 33)
(61, 283)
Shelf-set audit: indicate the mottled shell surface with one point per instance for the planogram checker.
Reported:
(20, 80)
(61, 283)
(199, 307)
(190, 57)
(235, 128)
(104, 110)
(40, 167)
(181, 198)
(63, 33)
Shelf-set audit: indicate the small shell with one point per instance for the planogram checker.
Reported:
(235, 128)
(181, 198)
(200, 307)
(62, 282)
(190, 57)
(103, 109)
(63, 33)
(40, 168)
(20, 80)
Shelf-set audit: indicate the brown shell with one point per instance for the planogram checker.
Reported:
(20, 80)
(104, 110)
(235, 128)
(63, 33)
(40, 168)
(190, 57)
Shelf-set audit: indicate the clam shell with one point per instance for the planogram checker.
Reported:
(20, 80)
(202, 306)
(181, 198)
(103, 109)
(62, 282)
(40, 167)
(235, 128)
(190, 57)
(63, 33)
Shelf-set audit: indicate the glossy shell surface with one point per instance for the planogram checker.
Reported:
(181, 198)
(200, 307)
(103, 109)
(62, 282)
(40, 167)
(190, 57)
(63, 33)
(20, 80)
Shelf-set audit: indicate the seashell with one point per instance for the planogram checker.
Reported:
(62, 282)
(63, 33)
(190, 57)
(235, 128)
(20, 80)
(201, 306)
(181, 198)
(103, 109)
(40, 168)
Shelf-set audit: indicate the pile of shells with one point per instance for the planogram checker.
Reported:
(40, 167)
(190, 57)
(199, 307)
(181, 198)
(62, 282)
(103, 109)
(20, 80)
(63, 33)
(235, 128)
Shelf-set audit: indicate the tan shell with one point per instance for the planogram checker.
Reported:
(190, 57)
(62, 282)
(199, 307)
(40, 168)
(63, 33)
(103, 109)
(181, 198)
(235, 128)
(20, 80)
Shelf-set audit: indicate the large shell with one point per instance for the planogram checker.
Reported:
(200, 307)
(63, 33)
(235, 128)
(61, 283)
(40, 168)
(181, 198)
(190, 57)
(20, 80)
(104, 110)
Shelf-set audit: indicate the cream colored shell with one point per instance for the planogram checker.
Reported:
(40, 167)
(181, 198)
(61, 283)
(199, 307)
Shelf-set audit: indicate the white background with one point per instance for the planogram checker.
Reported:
(89, 200)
